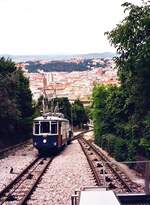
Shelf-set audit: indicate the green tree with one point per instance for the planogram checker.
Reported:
(24, 102)
(98, 106)
(79, 114)
(63, 105)
(38, 106)
(9, 113)
(131, 38)
(15, 104)
(112, 130)
(6, 66)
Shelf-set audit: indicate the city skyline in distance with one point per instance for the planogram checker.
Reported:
(59, 57)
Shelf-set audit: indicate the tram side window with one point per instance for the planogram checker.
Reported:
(44, 128)
(36, 128)
(53, 127)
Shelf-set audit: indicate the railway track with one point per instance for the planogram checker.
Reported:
(107, 173)
(20, 189)
(75, 137)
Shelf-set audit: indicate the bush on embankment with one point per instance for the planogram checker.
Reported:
(115, 129)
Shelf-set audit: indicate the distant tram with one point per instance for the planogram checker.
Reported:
(51, 132)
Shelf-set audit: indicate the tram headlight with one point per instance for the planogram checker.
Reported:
(35, 143)
(54, 143)
(44, 141)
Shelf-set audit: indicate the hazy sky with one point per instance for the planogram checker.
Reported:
(57, 26)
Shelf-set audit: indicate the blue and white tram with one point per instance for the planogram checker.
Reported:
(50, 132)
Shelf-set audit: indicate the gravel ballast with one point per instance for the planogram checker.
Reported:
(69, 171)
(17, 159)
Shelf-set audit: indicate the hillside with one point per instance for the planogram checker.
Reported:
(63, 66)
(25, 58)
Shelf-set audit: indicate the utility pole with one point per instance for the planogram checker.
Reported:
(45, 98)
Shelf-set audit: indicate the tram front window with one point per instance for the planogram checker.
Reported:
(53, 127)
(44, 128)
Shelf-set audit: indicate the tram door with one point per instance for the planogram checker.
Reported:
(59, 141)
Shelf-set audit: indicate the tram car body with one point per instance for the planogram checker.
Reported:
(51, 132)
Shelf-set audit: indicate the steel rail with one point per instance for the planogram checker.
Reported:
(80, 134)
(108, 163)
(18, 177)
(29, 193)
(98, 181)
(21, 178)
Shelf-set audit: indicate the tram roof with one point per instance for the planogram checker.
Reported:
(50, 118)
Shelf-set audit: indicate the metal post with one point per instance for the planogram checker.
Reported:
(71, 118)
(147, 178)
(74, 199)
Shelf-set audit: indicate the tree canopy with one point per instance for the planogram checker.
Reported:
(63, 104)
(15, 104)
(75, 112)
(123, 112)
(79, 115)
